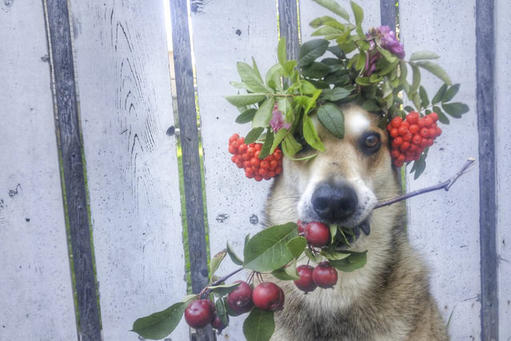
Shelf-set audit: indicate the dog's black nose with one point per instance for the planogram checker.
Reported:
(334, 202)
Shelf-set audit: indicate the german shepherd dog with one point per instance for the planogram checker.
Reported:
(389, 298)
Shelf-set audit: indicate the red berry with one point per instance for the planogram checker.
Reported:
(317, 234)
(278, 170)
(268, 296)
(405, 146)
(432, 132)
(258, 146)
(396, 121)
(258, 178)
(232, 150)
(218, 324)
(397, 141)
(395, 153)
(425, 132)
(438, 131)
(324, 275)
(273, 164)
(402, 130)
(422, 123)
(417, 139)
(239, 300)
(234, 138)
(407, 137)
(254, 162)
(242, 148)
(199, 313)
(264, 164)
(305, 283)
(414, 128)
(394, 132)
(434, 116)
(428, 121)
(413, 117)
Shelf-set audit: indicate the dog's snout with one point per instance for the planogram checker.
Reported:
(334, 202)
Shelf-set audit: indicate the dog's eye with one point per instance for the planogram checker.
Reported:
(370, 142)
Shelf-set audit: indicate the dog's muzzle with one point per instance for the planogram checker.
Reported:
(334, 202)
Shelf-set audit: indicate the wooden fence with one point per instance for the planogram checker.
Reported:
(92, 230)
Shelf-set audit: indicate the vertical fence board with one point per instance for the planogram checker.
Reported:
(503, 153)
(444, 226)
(310, 10)
(126, 108)
(35, 281)
(223, 35)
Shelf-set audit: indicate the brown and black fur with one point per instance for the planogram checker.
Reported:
(389, 298)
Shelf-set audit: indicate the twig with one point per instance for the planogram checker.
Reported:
(446, 185)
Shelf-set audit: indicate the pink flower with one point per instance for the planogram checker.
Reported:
(277, 122)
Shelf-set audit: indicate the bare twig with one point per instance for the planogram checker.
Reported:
(446, 185)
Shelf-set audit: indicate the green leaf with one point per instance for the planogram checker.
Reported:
(455, 109)
(251, 78)
(333, 232)
(333, 6)
(311, 50)
(259, 325)
(450, 93)
(311, 135)
(263, 115)
(358, 12)
(416, 79)
(223, 289)
(243, 100)
(316, 70)
(297, 246)
(279, 136)
(268, 143)
(281, 51)
(421, 55)
(253, 135)
(254, 66)
(216, 261)
(287, 273)
(267, 250)
(436, 70)
(419, 166)
(290, 146)
(424, 97)
(332, 119)
(305, 158)
(334, 255)
(409, 108)
(387, 55)
(246, 116)
(355, 261)
(335, 94)
(440, 94)
(289, 66)
(234, 257)
(158, 325)
(273, 76)
(221, 310)
(441, 116)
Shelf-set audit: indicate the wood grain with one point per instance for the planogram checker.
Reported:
(444, 227)
(123, 79)
(72, 168)
(35, 280)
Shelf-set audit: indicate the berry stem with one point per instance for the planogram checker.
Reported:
(446, 185)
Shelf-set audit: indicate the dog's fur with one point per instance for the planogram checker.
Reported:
(387, 299)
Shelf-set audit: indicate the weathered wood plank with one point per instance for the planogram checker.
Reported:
(503, 164)
(189, 136)
(388, 12)
(126, 108)
(444, 226)
(289, 26)
(223, 34)
(35, 281)
(485, 62)
(72, 167)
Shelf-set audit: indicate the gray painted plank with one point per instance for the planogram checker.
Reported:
(189, 136)
(225, 32)
(485, 62)
(73, 169)
(444, 226)
(288, 26)
(125, 107)
(388, 12)
(35, 281)
(503, 156)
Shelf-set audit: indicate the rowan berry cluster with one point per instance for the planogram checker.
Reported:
(247, 157)
(411, 136)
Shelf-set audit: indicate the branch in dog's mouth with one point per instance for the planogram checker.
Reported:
(445, 185)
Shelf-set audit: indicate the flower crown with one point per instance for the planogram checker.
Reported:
(347, 65)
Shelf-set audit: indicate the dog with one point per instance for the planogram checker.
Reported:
(389, 298)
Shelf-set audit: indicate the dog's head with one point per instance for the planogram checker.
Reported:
(341, 185)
